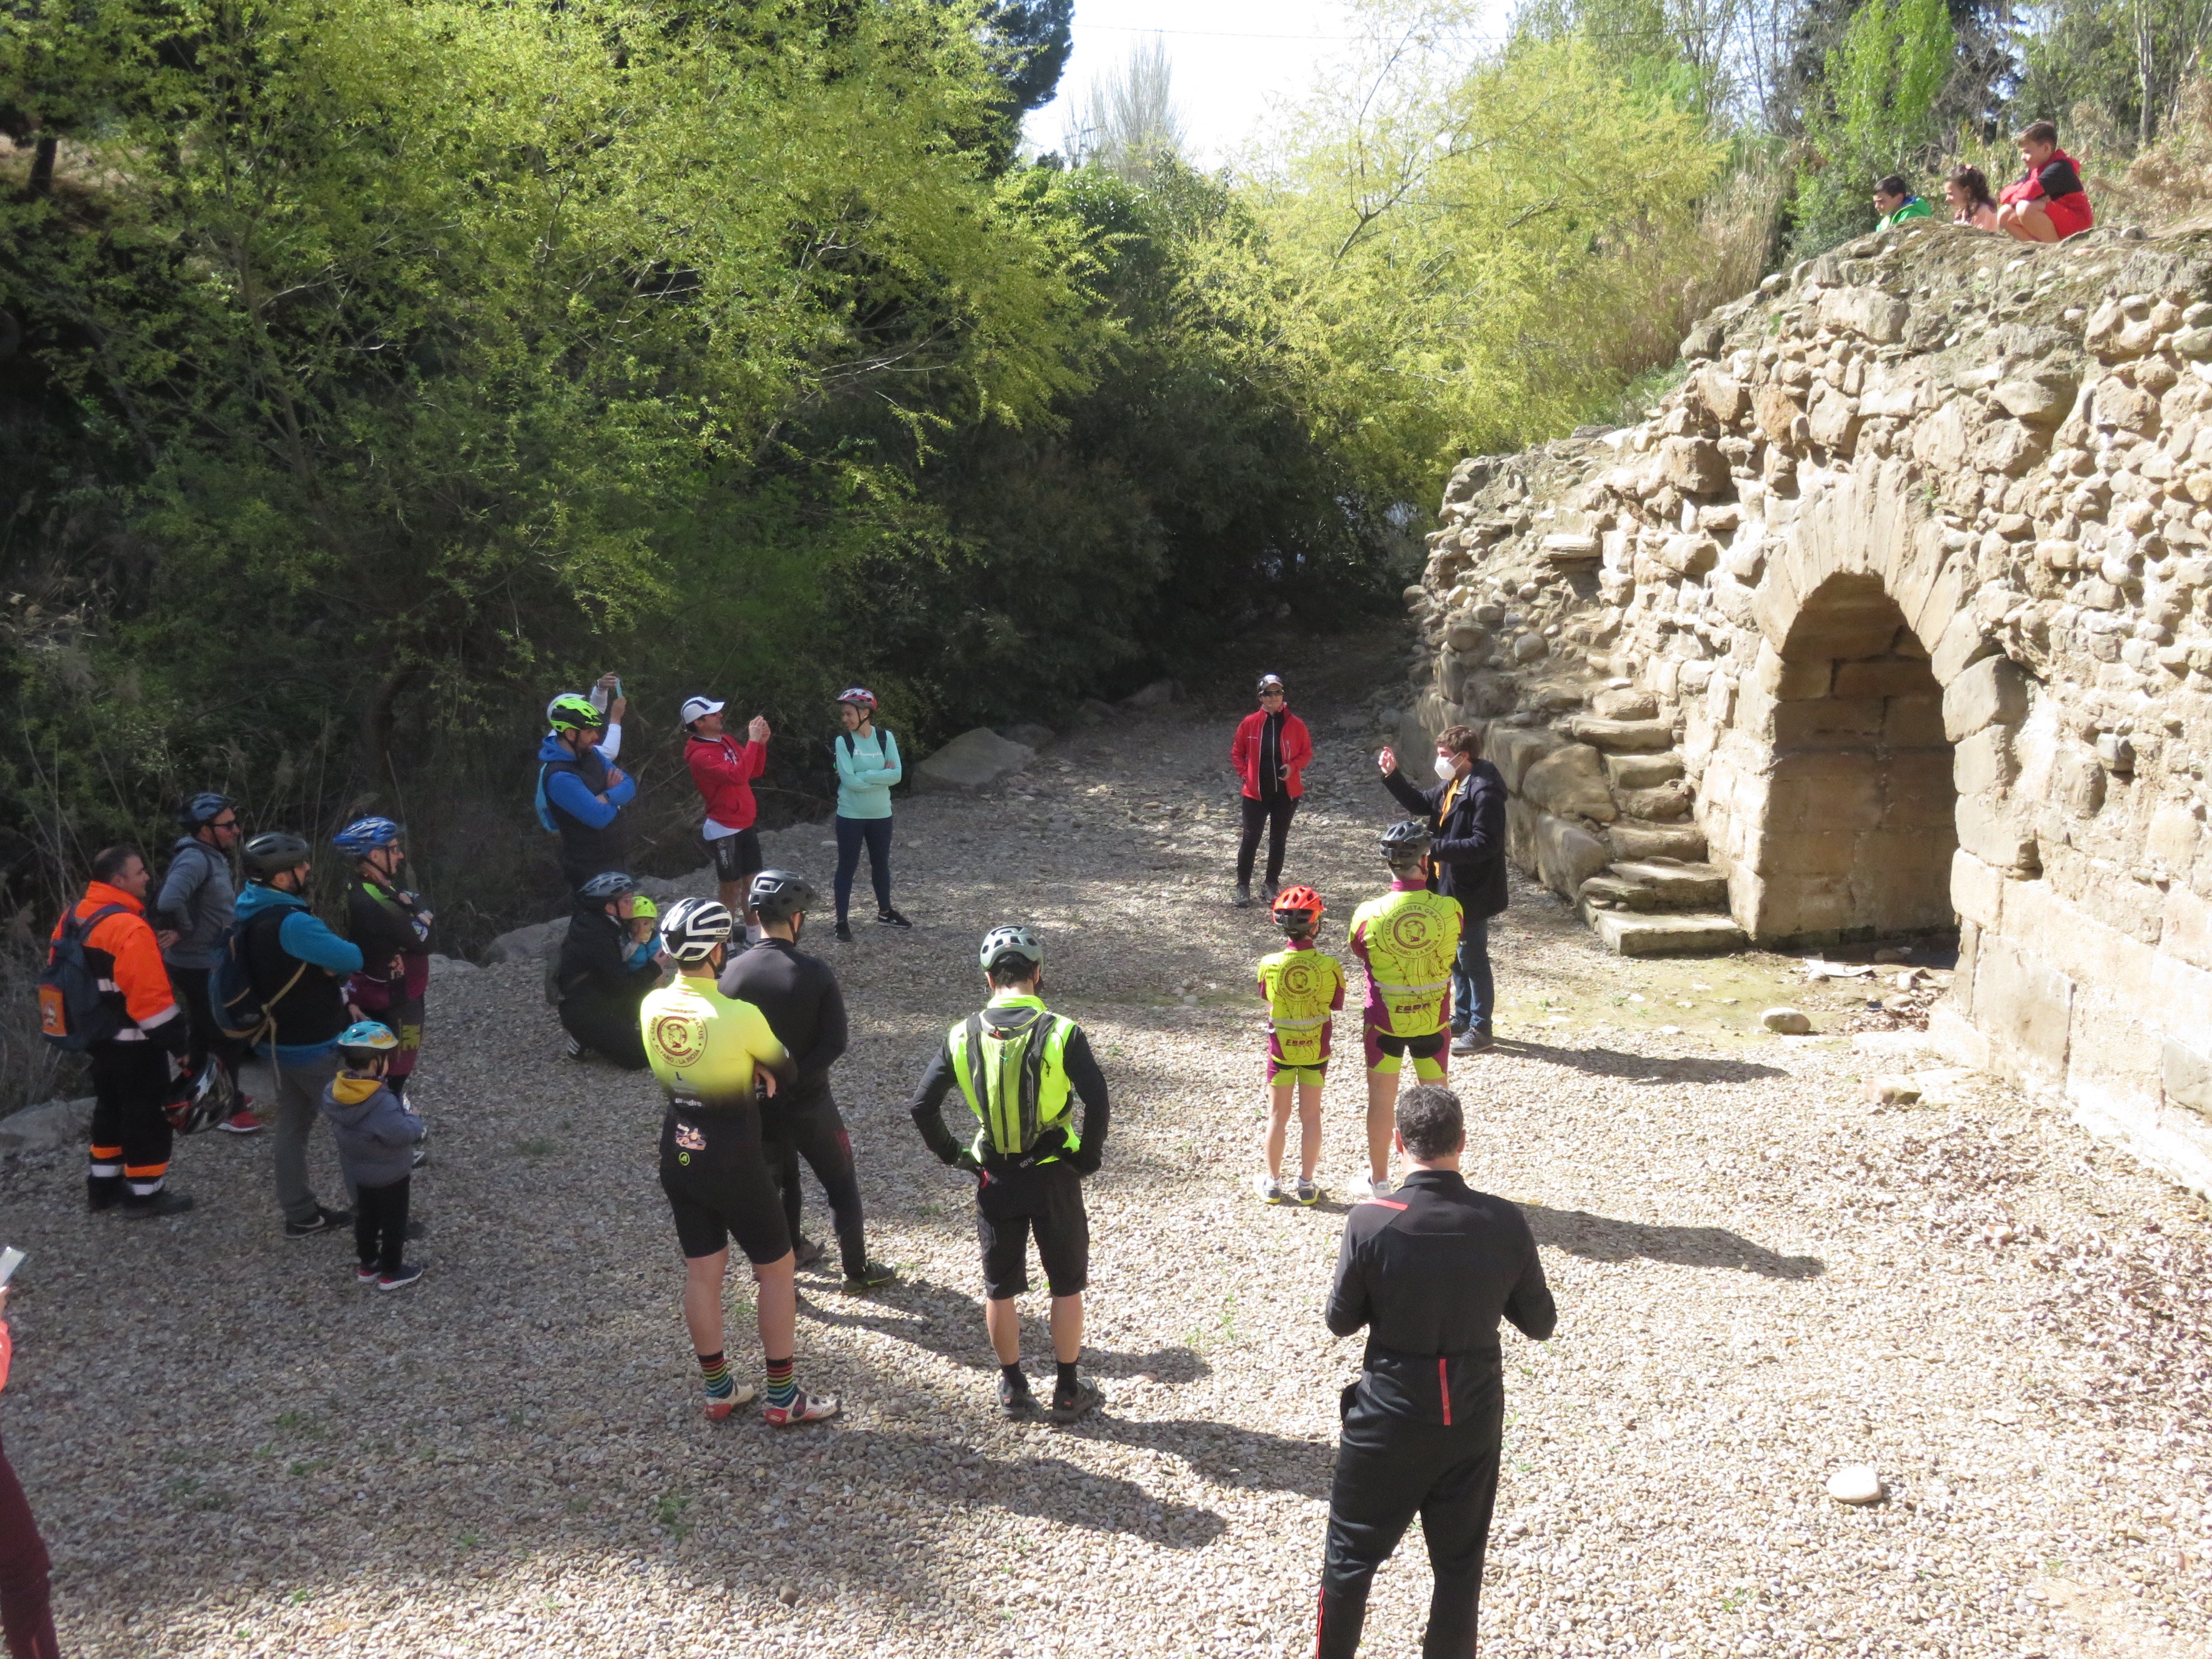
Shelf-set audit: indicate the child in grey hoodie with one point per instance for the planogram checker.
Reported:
(376, 1133)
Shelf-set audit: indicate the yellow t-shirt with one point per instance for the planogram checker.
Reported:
(702, 1045)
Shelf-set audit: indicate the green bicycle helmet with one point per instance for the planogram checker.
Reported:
(572, 711)
(1003, 945)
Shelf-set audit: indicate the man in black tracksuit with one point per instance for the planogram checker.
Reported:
(798, 994)
(1466, 814)
(1428, 1272)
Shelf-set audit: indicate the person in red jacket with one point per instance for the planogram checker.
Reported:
(27, 1613)
(1271, 753)
(2046, 203)
(140, 1068)
(724, 769)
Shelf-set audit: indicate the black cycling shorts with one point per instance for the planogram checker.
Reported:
(720, 1186)
(1047, 1199)
(736, 858)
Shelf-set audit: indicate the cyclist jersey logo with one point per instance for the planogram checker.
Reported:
(680, 1036)
(1303, 986)
(690, 1139)
(1411, 933)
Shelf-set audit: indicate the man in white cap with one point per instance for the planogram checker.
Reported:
(724, 769)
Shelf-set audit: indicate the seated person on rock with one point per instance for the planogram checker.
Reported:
(1966, 193)
(1893, 199)
(2046, 203)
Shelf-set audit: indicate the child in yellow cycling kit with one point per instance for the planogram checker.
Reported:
(1304, 987)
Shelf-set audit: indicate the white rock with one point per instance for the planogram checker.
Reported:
(441, 967)
(1855, 1483)
(1791, 1022)
(42, 1128)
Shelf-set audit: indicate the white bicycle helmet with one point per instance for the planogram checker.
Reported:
(694, 927)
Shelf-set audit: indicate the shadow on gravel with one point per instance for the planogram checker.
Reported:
(1599, 1239)
(1228, 1456)
(949, 1323)
(1641, 1069)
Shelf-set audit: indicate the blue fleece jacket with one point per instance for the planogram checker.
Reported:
(566, 790)
(302, 935)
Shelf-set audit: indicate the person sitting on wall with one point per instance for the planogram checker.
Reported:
(1893, 199)
(2047, 203)
(1966, 193)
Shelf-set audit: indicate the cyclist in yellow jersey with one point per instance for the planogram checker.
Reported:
(708, 1050)
(1405, 940)
(1304, 987)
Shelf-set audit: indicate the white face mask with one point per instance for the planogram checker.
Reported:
(1445, 769)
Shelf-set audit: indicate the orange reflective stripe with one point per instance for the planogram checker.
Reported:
(145, 1172)
(109, 1154)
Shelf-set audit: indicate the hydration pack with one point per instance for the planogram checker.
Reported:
(241, 1012)
(73, 1009)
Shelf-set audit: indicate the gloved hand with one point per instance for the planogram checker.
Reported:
(968, 1161)
(1083, 1163)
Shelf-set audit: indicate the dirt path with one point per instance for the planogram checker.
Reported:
(1761, 1277)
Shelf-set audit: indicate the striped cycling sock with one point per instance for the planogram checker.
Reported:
(782, 1385)
(720, 1385)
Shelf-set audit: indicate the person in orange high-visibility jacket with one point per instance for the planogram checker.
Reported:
(140, 1072)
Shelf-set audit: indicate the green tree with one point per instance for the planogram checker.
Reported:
(1876, 115)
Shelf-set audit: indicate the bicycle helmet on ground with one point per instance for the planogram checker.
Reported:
(777, 895)
(858, 695)
(275, 851)
(213, 1098)
(1406, 842)
(607, 884)
(364, 836)
(1297, 909)
(204, 808)
(572, 711)
(1002, 945)
(364, 1039)
(694, 927)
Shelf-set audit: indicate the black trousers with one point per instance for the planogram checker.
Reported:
(816, 1133)
(380, 1226)
(192, 989)
(1276, 815)
(612, 1033)
(1388, 1470)
(131, 1134)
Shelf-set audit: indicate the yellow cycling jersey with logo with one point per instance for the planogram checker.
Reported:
(1304, 987)
(702, 1045)
(1406, 938)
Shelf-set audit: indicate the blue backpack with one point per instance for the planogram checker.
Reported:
(74, 1012)
(240, 1010)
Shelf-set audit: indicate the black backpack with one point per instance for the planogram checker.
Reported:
(74, 1012)
(240, 1010)
(884, 739)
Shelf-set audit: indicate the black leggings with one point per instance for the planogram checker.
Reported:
(817, 1134)
(611, 1032)
(875, 834)
(1276, 815)
(380, 1226)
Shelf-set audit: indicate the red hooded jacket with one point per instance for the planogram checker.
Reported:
(724, 769)
(1297, 746)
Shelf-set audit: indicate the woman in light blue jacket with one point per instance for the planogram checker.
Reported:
(867, 766)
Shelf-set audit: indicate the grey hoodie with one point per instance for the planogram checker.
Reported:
(375, 1134)
(198, 900)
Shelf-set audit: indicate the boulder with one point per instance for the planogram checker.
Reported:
(53, 1127)
(1569, 782)
(1625, 702)
(530, 944)
(446, 967)
(1789, 1022)
(1029, 733)
(1868, 311)
(1992, 692)
(1159, 692)
(979, 757)
(1693, 465)
(1513, 749)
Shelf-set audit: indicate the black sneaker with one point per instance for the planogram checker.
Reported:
(869, 1276)
(163, 1202)
(892, 918)
(1017, 1401)
(805, 1253)
(844, 932)
(1086, 1399)
(325, 1221)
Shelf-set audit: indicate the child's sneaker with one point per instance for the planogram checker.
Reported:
(807, 1409)
(1270, 1189)
(718, 1406)
(1366, 1186)
(402, 1279)
(1307, 1192)
(366, 1273)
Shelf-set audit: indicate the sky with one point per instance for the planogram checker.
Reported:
(1230, 58)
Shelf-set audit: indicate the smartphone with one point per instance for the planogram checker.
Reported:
(10, 1259)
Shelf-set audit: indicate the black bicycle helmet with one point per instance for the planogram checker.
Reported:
(776, 896)
(275, 851)
(606, 885)
(204, 808)
(1407, 841)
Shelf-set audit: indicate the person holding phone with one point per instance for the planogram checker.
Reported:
(580, 790)
(26, 1613)
(724, 769)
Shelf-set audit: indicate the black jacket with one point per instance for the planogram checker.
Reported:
(1469, 848)
(1430, 1271)
(799, 995)
(592, 969)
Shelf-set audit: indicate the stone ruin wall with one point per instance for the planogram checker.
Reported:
(1899, 610)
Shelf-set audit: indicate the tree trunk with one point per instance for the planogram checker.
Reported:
(42, 165)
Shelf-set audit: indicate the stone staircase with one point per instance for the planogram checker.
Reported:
(1660, 907)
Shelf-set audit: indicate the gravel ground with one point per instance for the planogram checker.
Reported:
(1761, 1276)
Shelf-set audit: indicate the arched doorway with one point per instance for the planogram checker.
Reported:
(1861, 812)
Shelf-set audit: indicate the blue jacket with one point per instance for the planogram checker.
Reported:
(566, 790)
(375, 1131)
(302, 936)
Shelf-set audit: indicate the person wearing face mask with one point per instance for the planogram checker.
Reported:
(1271, 752)
(1466, 811)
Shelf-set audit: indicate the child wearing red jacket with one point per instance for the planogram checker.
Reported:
(2047, 203)
(1271, 752)
(724, 769)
